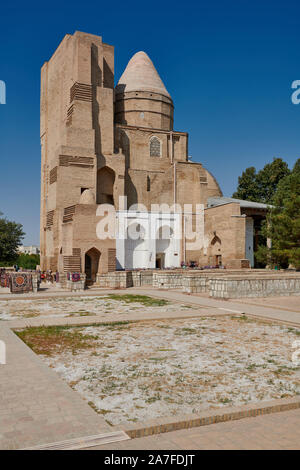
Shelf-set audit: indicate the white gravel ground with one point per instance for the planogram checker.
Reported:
(141, 371)
(75, 307)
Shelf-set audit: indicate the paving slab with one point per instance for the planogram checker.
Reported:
(269, 313)
(290, 303)
(276, 431)
(36, 406)
(114, 317)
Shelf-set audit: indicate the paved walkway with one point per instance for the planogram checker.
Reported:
(114, 317)
(291, 303)
(36, 406)
(228, 306)
(275, 431)
(50, 292)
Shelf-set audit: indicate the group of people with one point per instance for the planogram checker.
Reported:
(48, 276)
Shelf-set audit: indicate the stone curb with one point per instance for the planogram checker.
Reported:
(163, 425)
(95, 320)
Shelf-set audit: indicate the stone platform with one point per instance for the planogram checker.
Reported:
(218, 283)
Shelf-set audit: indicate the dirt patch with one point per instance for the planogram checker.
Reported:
(140, 299)
(56, 340)
(140, 371)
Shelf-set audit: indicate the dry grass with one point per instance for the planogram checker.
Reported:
(52, 340)
(132, 371)
(141, 299)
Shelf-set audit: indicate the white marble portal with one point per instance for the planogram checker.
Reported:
(148, 240)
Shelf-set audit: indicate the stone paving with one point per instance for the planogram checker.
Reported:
(291, 303)
(275, 431)
(36, 407)
(235, 306)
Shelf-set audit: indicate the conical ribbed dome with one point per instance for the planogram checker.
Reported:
(141, 75)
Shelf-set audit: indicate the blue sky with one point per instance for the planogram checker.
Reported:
(228, 66)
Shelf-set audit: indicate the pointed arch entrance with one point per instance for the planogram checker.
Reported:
(91, 264)
(215, 251)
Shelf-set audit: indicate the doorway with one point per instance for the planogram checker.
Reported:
(92, 258)
(160, 261)
(218, 260)
(88, 267)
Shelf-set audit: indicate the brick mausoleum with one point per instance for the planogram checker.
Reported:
(100, 142)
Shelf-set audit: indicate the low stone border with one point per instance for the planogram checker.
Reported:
(83, 442)
(163, 425)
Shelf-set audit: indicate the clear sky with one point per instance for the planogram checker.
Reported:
(228, 66)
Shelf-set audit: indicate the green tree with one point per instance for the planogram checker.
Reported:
(247, 185)
(27, 261)
(296, 168)
(11, 234)
(261, 186)
(283, 223)
(269, 177)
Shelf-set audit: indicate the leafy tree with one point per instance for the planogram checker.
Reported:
(27, 261)
(261, 186)
(247, 185)
(269, 177)
(11, 234)
(296, 168)
(283, 223)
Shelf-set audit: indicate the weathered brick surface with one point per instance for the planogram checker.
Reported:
(99, 143)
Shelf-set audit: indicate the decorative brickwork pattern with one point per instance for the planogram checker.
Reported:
(53, 175)
(69, 115)
(49, 218)
(68, 213)
(81, 91)
(68, 160)
(72, 264)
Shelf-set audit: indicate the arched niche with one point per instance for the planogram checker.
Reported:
(105, 185)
